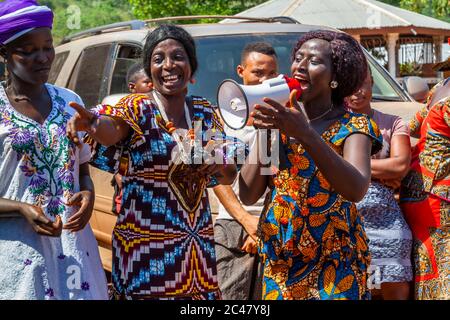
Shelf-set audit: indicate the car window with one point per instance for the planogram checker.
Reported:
(57, 65)
(88, 78)
(127, 55)
(382, 88)
(220, 55)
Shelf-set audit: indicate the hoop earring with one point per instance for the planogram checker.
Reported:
(334, 84)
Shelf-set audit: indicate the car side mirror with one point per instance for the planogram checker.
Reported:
(416, 87)
(113, 99)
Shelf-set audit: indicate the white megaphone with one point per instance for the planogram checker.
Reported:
(236, 101)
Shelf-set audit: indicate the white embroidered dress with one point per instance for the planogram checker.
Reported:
(40, 166)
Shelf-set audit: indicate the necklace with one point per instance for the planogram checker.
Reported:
(322, 115)
(17, 98)
(170, 126)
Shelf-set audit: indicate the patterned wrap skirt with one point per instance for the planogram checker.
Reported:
(390, 238)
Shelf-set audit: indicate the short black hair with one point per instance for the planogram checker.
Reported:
(348, 60)
(133, 71)
(259, 47)
(164, 32)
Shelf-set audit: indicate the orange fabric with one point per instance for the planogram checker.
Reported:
(430, 164)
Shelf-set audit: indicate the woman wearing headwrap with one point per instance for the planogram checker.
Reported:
(47, 249)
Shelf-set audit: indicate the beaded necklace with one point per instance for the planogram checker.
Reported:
(169, 124)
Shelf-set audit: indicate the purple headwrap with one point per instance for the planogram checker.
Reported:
(17, 17)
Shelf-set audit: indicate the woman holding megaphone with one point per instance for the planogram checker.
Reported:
(312, 238)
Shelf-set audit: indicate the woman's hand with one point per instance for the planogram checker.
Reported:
(291, 121)
(39, 222)
(82, 120)
(85, 200)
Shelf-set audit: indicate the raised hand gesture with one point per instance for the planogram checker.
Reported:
(82, 120)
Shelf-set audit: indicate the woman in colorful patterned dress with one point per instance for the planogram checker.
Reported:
(163, 244)
(47, 248)
(425, 197)
(390, 239)
(312, 237)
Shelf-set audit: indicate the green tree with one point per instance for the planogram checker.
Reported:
(146, 9)
(439, 9)
(89, 14)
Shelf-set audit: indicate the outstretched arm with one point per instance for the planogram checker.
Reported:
(103, 129)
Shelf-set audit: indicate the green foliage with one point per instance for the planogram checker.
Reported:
(99, 12)
(392, 2)
(410, 69)
(146, 9)
(439, 9)
(92, 14)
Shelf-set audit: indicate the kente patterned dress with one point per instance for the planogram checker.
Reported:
(425, 200)
(39, 165)
(313, 240)
(163, 244)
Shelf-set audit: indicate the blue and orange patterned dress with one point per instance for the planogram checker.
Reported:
(163, 244)
(312, 240)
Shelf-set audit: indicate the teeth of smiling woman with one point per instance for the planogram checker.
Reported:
(169, 78)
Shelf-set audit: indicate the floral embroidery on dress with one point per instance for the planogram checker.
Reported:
(50, 293)
(85, 286)
(43, 149)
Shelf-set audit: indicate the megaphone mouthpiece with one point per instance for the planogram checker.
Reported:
(294, 84)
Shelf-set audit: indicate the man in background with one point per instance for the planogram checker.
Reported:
(238, 266)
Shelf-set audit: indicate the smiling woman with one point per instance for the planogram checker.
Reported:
(46, 194)
(163, 245)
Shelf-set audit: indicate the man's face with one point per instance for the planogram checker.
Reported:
(257, 67)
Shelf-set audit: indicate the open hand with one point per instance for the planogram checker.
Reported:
(82, 120)
(85, 200)
(291, 121)
(39, 222)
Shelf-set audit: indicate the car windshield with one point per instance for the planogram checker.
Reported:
(219, 56)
